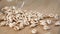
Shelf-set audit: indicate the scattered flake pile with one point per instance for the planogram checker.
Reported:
(19, 19)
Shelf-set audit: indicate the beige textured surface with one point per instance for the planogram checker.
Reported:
(44, 6)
